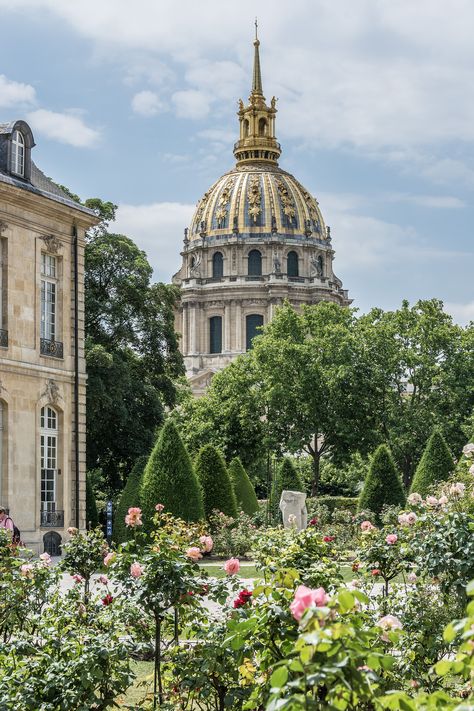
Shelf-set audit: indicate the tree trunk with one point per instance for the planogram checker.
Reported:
(315, 483)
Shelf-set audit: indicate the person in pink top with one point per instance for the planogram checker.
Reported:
(5, 520)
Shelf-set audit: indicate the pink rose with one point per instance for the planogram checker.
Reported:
(432, 501)
(134, 517)
(366, 526)
(306, 598)
(207, 544)
(103, 579)
(232, 566)
(77, 578)
(194, 553)
(136, 570)
(415, 498)
(109, 558)
(45, 558)
(391, 539)
(411, 518)
(388, 623)
(27, 570)
(443, 500)
(159, 508)
(457, 489)
(402, 519)
(412, 577)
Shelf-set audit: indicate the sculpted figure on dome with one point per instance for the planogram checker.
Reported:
(241, 105)
(273, 103)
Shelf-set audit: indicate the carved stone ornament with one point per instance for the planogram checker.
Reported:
(224, 200)
(3, 227)
(254, 197)
(52, 243)
(51, 392)
(286, 200)
(2, 387)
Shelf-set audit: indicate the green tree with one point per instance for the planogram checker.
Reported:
(383, 485)
(130, 497)
(215, 482)
(243, 487)
(287, 478)
(92, 516)
(435, 465)
(132, 353)
(169, 479)
(423, 377)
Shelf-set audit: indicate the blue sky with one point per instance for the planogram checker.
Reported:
(135, 103)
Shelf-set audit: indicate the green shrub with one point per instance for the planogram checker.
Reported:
(215, 482)
(383, 485)
(243, 488)
(169, 479)
(130, 497)
(92, 517)
(287, 479)
(435, 465)
(334, 503)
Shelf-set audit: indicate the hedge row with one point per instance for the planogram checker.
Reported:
(346, 503)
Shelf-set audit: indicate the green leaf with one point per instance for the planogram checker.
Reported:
(279, 678)
(346, 600)
(449, 633)
(443, 667)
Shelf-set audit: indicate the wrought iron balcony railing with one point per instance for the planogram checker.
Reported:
(51, 348)
(3, 338)
(52, 519)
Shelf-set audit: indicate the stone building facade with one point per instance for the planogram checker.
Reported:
(42, 366)
(257, 238)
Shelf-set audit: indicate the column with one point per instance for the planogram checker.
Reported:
(227, 320)
(184, 330)
(192, 328)
(238, 326)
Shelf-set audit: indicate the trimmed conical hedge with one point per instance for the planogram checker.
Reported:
(435, 465)
(383, 485)
(287, 479)
(217, 489)
(169, 479)
(243, 488)
(92, 517)
(130, 497)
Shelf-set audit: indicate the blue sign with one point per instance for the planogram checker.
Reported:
(109, 509)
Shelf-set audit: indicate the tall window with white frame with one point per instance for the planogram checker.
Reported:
(18, 154)
(49, 306)
(49, 464)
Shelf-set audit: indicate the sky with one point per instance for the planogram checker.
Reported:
(135, 102)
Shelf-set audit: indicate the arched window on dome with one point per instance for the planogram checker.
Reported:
(292, 267)
(215, 334)
(246, 127)
(217, 265)
(18, 154)
(253, 323)
(255, 263)
(262, 127)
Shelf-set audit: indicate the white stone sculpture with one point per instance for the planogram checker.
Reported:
(293, 509)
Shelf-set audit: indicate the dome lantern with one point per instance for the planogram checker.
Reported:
(257, 140)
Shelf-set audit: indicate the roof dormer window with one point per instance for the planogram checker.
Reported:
(18, 154)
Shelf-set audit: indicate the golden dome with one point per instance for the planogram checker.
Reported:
(257, 199)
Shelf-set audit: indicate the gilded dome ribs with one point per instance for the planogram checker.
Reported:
(254, 196)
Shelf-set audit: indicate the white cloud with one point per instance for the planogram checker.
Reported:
(13, 93)
(63, 127)
(158, 229)
(443, 202)
(462, 313)
(191, 104)
(147, 103)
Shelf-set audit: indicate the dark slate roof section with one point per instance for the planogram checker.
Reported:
(41, 185)
(7, 128)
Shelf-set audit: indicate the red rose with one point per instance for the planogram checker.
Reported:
(313, 521)
(375, 572)
(328, 539)
(107, 599)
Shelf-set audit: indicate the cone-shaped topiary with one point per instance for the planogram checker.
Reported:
(130, 497)
(92, 517)
(383, 485)
(287, 479)
(169, 479)
(243, 488)
(217, 489)
(435, 465)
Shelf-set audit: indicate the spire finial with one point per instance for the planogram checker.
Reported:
(257, 75)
